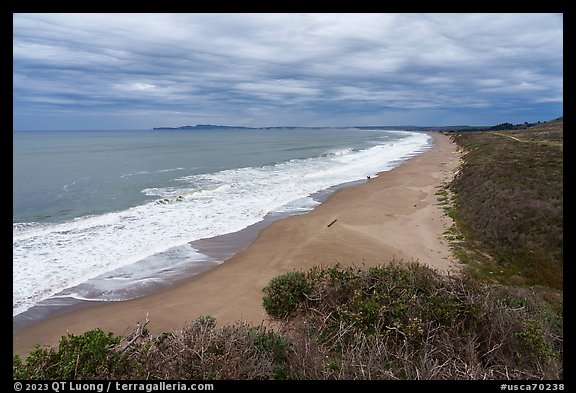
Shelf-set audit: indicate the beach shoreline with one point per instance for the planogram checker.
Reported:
(216, 250)
(392, 216)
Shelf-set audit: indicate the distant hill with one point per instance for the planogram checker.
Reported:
(218, 127)
(202, 127)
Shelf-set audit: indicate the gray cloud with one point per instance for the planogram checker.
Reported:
(145, 70)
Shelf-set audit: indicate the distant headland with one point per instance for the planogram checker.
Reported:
(502, 126)
(220, 127)
(203, 127)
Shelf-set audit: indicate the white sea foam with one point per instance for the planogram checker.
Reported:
(48, 258)
(147, 172)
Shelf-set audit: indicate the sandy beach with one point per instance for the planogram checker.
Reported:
(392, 216)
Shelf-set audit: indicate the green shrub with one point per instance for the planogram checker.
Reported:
(532, 337)
(406, 321)
(284, 293)
(85, 356)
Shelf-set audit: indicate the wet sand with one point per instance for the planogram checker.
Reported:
(392, 216)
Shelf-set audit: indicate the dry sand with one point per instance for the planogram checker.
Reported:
(392, 216)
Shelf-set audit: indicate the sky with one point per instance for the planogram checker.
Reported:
(139, 71)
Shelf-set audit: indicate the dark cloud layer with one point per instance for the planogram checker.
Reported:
(102, 71)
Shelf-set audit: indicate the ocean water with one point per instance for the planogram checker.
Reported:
(101, 215)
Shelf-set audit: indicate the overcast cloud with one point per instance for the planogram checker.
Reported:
(134, 71)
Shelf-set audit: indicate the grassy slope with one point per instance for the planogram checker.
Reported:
(508, 200)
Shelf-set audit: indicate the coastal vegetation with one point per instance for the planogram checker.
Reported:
(507, 204)
(390, 322)
(502, 318)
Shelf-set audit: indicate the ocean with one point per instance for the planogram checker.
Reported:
(112, 215)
